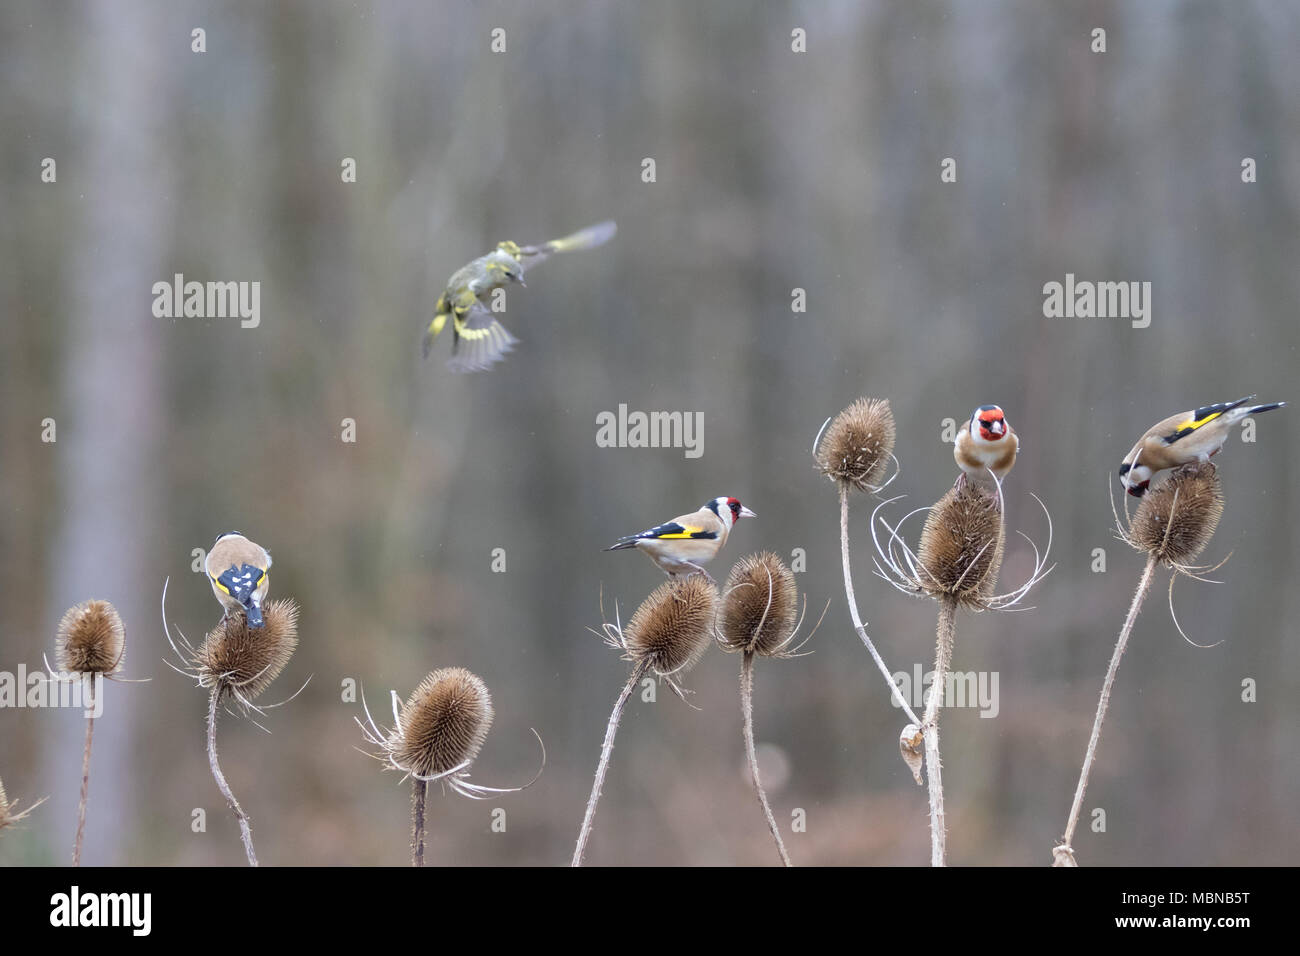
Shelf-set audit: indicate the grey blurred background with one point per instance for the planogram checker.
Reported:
(775, 170)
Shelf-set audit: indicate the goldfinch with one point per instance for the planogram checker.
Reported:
(987, 443)
(1184, 438)
(239, 571)
(683, 545)
(478, 339)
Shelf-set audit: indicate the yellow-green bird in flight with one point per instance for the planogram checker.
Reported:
(478, 339)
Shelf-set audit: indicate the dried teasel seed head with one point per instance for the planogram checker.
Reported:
(856, 448)
(1063, 856)
(673, 626)
(1177, 518)
(760, 607)
(91, 639)
(443, 724)
(911, 747)
(241, 661)
(961, 546)
(9, 812)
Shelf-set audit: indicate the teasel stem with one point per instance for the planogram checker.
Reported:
(85, 773)
(853, 608)
(245, 828)
(1064, 853)
(944, 634)
(418, 791)
(747, 709)
(606, 750)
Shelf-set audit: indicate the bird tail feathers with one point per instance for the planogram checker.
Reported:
(431, 333)
(1255, 410)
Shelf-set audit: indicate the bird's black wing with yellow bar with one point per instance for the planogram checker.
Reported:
(240, 582)
(673, 529)
(1201, 417)
(668, 531)
(478, 340)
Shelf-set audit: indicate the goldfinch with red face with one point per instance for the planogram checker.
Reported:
(478, 339)
(239, 572)
(1184, 438)
(683, 545)
(986, 444)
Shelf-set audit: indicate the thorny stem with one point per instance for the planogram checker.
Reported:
(245, 828)
(85, 775)
(606, 750)
(1064, 852)
(853, 608)
(747, 709)
(418, 791)
(944, 633)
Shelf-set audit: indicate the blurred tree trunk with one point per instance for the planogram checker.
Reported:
(110, 401)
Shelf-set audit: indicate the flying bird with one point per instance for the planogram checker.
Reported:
(1183, 439)
(683, 545)
(479, 340)
(239, 572)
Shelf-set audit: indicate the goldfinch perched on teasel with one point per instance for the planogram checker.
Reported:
(682, 545)
(478, 339)
(1184, 438)
(239, 571)
(986, 444)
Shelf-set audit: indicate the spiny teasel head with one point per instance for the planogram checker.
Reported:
(1177, 518)
(961, 546)
(759, 606)
(241, 662)
(9, 812)
(673, 626)
(443, 724)
(856, 447)
(960, 552)
(439, 731)
(91, 639)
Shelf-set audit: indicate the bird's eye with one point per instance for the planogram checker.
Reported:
(1123, 469)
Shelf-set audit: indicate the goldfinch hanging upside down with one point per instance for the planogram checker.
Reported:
(239, 571)
(682, 545)
(1184, 438)
(478, 339)
(986, 444)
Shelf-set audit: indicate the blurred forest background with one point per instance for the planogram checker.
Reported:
(775, 170)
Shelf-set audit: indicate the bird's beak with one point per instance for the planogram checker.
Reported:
(746, 513)
(997, 428)
(522, 283)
